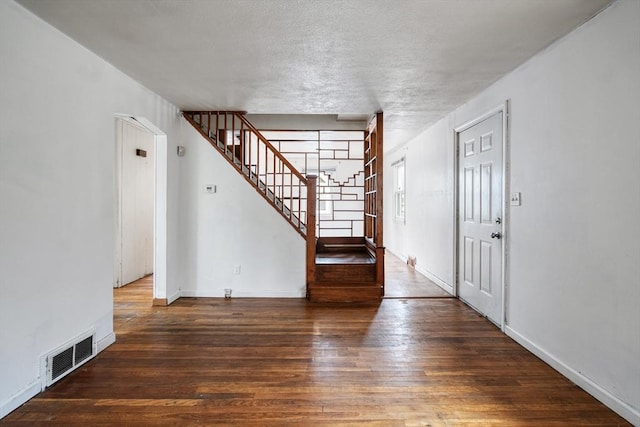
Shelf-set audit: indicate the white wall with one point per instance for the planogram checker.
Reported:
(57, 216)
(574, 284)
(57, 193)
(234, 226)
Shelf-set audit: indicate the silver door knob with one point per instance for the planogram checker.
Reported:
(496, 235)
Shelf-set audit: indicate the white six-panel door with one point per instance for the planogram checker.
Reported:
(480, 216)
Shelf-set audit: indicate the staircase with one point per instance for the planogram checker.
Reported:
(338, 269)
(345, 271)
(253, 156)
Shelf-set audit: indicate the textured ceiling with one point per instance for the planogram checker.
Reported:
(415, 60)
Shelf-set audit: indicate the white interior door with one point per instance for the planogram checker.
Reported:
(136, 202)
(480, 216)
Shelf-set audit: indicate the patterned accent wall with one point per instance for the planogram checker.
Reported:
(337, 158)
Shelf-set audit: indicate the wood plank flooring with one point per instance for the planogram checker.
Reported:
(288, 362)
(402, 281)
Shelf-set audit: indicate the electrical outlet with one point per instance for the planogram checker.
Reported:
(236, 269)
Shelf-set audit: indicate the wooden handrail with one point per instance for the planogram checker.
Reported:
(267, 172)
(272, 148)
(241, 115)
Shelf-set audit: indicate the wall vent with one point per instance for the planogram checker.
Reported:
(69, 357)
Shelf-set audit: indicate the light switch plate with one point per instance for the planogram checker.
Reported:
(210, 188)
(515, 199)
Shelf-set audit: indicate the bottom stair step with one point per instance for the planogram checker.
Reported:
(347, 293)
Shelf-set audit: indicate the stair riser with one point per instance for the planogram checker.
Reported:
(345, 294)
(346, 273)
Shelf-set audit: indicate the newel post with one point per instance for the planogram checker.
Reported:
(311, 230)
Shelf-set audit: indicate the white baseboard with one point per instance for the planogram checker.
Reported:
(403, 258)
(214, 293)
(623, 409)
(18, 399)
(435, 279)
(174, 297)
(105, 342)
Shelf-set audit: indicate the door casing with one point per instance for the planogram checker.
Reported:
(160, 208)
(504, 108)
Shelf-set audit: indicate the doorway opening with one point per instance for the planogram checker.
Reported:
(481, 213)
(141, 189)
(403, 280)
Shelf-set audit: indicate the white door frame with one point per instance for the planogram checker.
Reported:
(160, 207)
(504, 109)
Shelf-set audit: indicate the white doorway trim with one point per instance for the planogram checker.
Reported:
(160, 207)
(504, 109)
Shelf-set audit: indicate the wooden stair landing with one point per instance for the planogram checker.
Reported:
(345, 271)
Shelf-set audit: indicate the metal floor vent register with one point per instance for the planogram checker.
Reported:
(69, 357)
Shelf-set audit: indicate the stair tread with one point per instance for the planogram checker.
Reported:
(342, 258)
(347, 285)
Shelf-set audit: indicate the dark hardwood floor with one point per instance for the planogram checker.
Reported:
(288, 362)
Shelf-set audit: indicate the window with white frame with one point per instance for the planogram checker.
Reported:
(399, 189)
